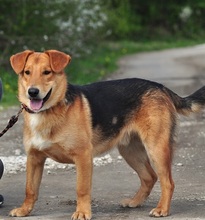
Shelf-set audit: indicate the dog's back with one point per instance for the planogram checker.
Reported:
(113, 102)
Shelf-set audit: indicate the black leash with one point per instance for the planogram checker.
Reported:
(12, 121)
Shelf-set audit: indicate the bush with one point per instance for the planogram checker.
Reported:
(137, 20)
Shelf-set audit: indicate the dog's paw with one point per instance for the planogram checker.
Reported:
(131, 203)
(158, 212)
(19, 212)
(78, 215)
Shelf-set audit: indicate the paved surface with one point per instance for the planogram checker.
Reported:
(181, 70)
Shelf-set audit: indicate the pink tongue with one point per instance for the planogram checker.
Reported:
(36, 104)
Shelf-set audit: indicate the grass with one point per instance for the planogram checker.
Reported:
(10, 89)
(94, 66)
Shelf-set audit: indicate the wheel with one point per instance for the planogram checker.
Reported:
(1, 200)
(1, 168)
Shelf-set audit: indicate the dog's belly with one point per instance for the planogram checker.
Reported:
(104, 145)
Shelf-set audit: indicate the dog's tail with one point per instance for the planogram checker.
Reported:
(193, 103)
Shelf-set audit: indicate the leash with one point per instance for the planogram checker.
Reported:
(12, 121)
(15, 118)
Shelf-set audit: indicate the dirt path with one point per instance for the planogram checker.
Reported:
(181, 70)
(178, 69)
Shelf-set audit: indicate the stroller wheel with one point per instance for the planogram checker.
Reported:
(1, 200)
(1, 168)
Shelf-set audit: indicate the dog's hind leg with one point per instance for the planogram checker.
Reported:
(136, 156)
(155, 124)
(158, 141)
(35, 164)
(161, 157)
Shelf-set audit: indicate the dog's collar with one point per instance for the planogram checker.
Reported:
(27, 109)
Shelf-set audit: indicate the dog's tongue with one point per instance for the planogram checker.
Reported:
(36, 104)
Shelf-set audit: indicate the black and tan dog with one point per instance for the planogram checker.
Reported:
(72, 124)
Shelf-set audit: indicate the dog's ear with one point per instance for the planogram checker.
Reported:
(58, 60)
(18, 60)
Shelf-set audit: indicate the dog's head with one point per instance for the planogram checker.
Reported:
(42, 82)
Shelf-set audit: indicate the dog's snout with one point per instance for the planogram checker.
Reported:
(33, 92)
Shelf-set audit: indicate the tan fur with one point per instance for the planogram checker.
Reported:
(64, 133)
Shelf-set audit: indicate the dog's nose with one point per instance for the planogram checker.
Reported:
(33, 92)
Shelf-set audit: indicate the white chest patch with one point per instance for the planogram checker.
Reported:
(37, 141)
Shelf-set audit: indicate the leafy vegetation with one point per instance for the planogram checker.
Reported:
(136, 20)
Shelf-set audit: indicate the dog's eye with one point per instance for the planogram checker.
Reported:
(46, 72)
(27, 72)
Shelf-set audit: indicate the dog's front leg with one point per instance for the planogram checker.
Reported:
(84, 166)
(35, 164)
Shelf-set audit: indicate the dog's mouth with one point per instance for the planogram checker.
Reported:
(37, 104)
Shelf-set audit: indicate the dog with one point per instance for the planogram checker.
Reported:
(73, 124)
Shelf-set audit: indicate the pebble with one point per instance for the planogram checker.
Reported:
(179, 164)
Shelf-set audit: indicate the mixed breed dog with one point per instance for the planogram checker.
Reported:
(73, 124)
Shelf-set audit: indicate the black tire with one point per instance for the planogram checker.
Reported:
(1, 168)
(1, 200)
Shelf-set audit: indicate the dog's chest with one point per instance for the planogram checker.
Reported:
(38, 138)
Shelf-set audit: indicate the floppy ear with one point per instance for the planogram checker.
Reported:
(18, 60)
(58, 60)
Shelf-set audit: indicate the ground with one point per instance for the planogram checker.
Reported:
(182, 70)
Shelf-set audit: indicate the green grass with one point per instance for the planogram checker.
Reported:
(10, 89)
(94, 66)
